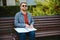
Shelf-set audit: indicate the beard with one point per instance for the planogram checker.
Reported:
(24, 9)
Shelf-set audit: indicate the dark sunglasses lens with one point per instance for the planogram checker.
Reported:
(24, 5)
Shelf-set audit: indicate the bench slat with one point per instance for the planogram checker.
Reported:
(46, 25)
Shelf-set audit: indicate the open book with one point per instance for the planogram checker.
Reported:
(24, 30)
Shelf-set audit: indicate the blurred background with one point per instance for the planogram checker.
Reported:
(36, 7)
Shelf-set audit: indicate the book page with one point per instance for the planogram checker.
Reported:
(31, 29)
(21, 30)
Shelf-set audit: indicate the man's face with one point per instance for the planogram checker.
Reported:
(24, 7)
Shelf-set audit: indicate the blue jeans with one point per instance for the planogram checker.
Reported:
(22, 36)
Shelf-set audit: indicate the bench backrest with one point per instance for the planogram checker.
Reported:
(42, 23)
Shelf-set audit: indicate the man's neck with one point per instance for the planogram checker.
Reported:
(24, 12)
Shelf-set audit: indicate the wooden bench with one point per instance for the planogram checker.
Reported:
(46, 25)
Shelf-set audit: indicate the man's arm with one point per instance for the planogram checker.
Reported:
(32, 22)
(16, 23)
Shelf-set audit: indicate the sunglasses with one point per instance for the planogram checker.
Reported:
(24, 5)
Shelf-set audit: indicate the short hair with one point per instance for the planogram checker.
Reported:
(22, 3)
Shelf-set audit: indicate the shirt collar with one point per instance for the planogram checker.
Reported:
(22, 13)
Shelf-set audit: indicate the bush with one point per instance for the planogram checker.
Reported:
(43, 8)
(47, 8)
(6, 11)
(9, 11)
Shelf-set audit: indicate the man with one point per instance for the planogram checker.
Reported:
(23, 19)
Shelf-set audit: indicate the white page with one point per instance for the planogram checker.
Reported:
(21, 30)
(31, 29)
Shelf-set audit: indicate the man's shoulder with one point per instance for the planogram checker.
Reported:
(18, 13)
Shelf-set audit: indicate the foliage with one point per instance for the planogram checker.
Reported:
(6, 11)
(46, 8)
(42, 8)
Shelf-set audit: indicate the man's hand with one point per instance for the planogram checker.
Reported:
(31, 26)
(27, 26)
